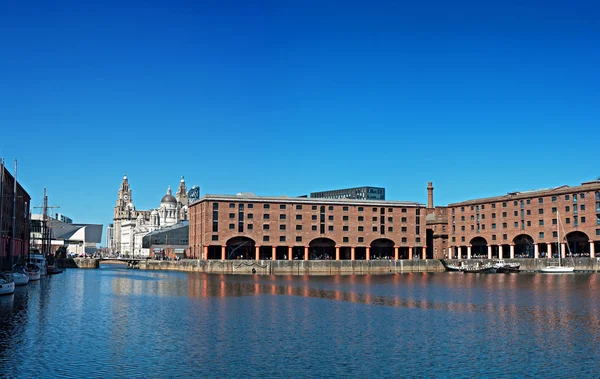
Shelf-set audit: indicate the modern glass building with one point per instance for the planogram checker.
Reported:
(360, 193)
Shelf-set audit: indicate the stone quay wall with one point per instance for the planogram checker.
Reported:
(298, 267)
(78, 263)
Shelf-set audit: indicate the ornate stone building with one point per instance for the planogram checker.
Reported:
(130, 224)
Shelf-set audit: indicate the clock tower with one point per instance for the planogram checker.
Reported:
(121, 211)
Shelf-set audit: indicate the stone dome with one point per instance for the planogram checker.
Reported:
(168, 199)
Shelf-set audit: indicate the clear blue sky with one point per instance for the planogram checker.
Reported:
(288, 97)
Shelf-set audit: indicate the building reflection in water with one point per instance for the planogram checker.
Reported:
(539, 299)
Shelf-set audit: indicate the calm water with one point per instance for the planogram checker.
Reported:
(114, 322)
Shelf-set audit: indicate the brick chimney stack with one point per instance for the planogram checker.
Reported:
(430, 195)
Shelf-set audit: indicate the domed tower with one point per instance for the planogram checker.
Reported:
(168, 209)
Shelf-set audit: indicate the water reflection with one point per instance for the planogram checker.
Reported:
(127, 323)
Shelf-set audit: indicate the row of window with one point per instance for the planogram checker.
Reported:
(314, 207)
(528, 201)
(267, 216)
(576, 209)
(215, 237)
(576, 221)
(345, 228)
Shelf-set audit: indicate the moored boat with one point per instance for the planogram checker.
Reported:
(480, 270)
(7, 285)
(451, 267)
(503, 267)
(33, 271)
(19, 275)
(40, 261)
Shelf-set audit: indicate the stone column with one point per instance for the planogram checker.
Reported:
(512, 251)
(592, 250)
(424, 252)
(305, 253)
(368, 256)
(290, 252)
(489, 251)
(274, 253)
(205, 254)
(223, 252)
(395, 253)
(410, 252)
(352, 253)
(549, 252)
(500, 255)
(257, 252)
(563, 250)
(337, 253)
(536, 250)
(469, 252)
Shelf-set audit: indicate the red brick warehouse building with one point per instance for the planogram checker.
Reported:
(526, 225)
(21, 214)
(245, 226)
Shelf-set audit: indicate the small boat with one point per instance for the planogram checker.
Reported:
(503, 267)
(480, 268)
(7, 285)
(40, 261)
(19, 275)
(33, 271)
(451, 267)
(558, 268)
(51, 269)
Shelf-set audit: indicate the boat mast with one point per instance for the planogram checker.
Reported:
(14, 218)
(45, 225)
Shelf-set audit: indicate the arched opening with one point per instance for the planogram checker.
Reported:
(523, 246)
(479, 248)
(382, 248)
(240, 248)
(321, 249)
(578, 244)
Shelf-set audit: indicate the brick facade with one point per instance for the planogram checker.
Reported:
(526, 223)
(389, 229)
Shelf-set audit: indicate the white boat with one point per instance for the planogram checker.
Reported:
(40, 261)
(20, 276)
(33, 271)
(557, 266)
(7, 285)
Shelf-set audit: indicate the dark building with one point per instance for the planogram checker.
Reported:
(21, 217)
(359, 193)
(171, 242)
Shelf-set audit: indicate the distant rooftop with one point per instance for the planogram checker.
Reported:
(560, 190)
(303, 200)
